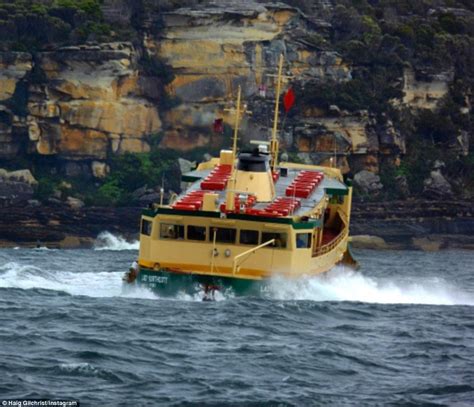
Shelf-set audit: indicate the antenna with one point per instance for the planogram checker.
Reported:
(238, 112)
(274, 144)
(162, 189)
(236, 124)
(274, 147)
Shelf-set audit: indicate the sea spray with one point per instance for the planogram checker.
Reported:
(342, 284)
(338, 285)
(108, 241)
(91, 284)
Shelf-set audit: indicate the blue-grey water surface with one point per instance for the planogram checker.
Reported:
(398, 332)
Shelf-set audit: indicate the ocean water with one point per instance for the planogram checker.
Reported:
(398, 332)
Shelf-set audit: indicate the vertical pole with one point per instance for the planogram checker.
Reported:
(213, 253)
(230, 206)
(236, 123)
(274, 144)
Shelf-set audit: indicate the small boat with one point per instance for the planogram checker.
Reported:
(245, 219)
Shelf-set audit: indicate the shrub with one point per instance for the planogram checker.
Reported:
(109, 194)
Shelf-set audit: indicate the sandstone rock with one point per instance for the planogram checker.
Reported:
(368, 242)
(82, 143)
(99, 169)
(74, 203)
(93, 99)
(130, 117)
(462, 145)
(427, 244)
(24, 176)
(334, 110)
(34, 131)
(14, 192)
(213, 49)
(424, 94)
(133, 145)
(368, 182)
(437, 186)
(13, 67)
(390, 138)
(65, 185)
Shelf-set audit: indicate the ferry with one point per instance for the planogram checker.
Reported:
(245, 219)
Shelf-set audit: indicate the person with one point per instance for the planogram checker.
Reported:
(132, 272)
(171, 233)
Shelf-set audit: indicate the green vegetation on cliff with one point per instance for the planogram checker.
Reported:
(29, 25)
(380, 40)
(383, 38)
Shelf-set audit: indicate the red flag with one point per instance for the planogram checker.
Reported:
(218, 126)
(289, 99)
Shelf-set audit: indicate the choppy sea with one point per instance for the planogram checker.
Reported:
(398, 332)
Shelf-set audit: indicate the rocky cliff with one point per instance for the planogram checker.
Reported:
(401, 225)
(79, 105)
(83, 103)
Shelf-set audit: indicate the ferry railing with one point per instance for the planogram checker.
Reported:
(331, 245)
(236, 266)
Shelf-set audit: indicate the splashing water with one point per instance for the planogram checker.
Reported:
(338, 285)
(342, 284)
(108, 241)
(91, 284)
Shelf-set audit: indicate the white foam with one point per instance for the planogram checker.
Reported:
(342, 284)
(108, 241)
(78, 367)
(91, 284)
(338, 285)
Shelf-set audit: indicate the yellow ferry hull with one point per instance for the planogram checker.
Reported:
(173, 279)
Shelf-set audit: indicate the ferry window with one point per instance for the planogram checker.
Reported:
(146, 227)
(225, 235)
(249, 237)
(303, 240)
(280, 239)
(196, 232)
(168, 231)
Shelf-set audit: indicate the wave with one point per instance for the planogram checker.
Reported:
(342, 284)
(91, 284)
(108, 241)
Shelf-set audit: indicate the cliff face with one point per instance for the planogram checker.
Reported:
(212, 51)
(13, 69)
(84, 104)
